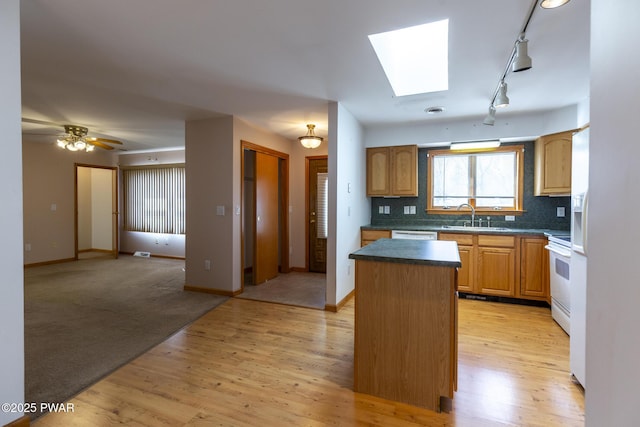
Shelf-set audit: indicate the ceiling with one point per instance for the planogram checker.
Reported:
(137, 70)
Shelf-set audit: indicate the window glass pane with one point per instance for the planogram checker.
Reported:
(495, 179)
(450, 180)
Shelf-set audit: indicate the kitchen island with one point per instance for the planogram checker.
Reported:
(405, 346)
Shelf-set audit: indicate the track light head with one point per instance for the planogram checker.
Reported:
(491, 116)
(522, 60)
(501, 98)
(551, 4)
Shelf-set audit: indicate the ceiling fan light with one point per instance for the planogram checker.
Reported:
(310, 140)
(522, 60)
(502, 100)
(80, 144)
(61, 143)
(552, 4)
(72, 147)
(90, 147)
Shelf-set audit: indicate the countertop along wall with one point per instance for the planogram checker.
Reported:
(540, 210)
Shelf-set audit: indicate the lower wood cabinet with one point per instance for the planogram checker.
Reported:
(368, 236)
(496, 265)
(499, 265)
(534, 269)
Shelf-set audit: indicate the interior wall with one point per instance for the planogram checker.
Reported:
(12, 282)
(349, 208)
(613, 342)
(171, 245)
(49, 198)
(210, 232)
(438, 133)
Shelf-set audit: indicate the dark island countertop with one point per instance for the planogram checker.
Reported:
(426, 252)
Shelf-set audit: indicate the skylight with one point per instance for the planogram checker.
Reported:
(415, 59)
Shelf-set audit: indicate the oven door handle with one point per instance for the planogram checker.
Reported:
(558, 251)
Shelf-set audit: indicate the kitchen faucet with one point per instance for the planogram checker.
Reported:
(473, 212)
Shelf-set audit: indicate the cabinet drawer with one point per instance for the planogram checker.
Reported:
(374, 234)
(462, 239)
(497, 241)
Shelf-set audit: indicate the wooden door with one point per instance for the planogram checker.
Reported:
(318, 194)
(266, 218)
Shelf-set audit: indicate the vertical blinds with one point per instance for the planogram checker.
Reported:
(322, 206)
(154, 200)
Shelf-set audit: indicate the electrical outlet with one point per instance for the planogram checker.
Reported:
(560, 211)
(380, 209)
(509, 218)
(387, 210)
(207, 264)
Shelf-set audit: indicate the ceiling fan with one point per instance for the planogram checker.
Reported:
(75, 139)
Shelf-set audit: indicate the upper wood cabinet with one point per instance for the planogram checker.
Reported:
(392, 171)
(553, 164)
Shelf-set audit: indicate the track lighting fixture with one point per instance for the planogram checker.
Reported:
(502, 100)
(552, 4)
(491, 116)
(522, 60)
(519, 60)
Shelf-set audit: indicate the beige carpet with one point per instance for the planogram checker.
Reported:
(84, 319)
(295, 288)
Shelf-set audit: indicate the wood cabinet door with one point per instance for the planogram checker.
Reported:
(465, 273)
(404, 170)
(496, 271)
(378, 171)
(553, 164)
(534, 270)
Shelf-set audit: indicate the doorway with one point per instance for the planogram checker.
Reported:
(96, 210)
(317, 213)
(265, 217)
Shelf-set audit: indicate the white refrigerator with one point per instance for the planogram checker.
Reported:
(579, 253)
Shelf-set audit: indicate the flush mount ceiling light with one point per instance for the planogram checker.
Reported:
(415, 59)
(310, 140)
(552, 4)
(474, 145)
(519, 60)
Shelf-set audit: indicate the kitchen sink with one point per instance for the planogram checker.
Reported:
(467, 228)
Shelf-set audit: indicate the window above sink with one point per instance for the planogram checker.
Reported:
(490, 180)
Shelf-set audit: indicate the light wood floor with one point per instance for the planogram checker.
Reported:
(250, 363)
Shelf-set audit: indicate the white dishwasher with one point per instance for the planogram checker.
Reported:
(414, 235)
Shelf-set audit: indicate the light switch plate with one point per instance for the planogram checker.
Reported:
(509, 218)
(387, 210)
(560, 211)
